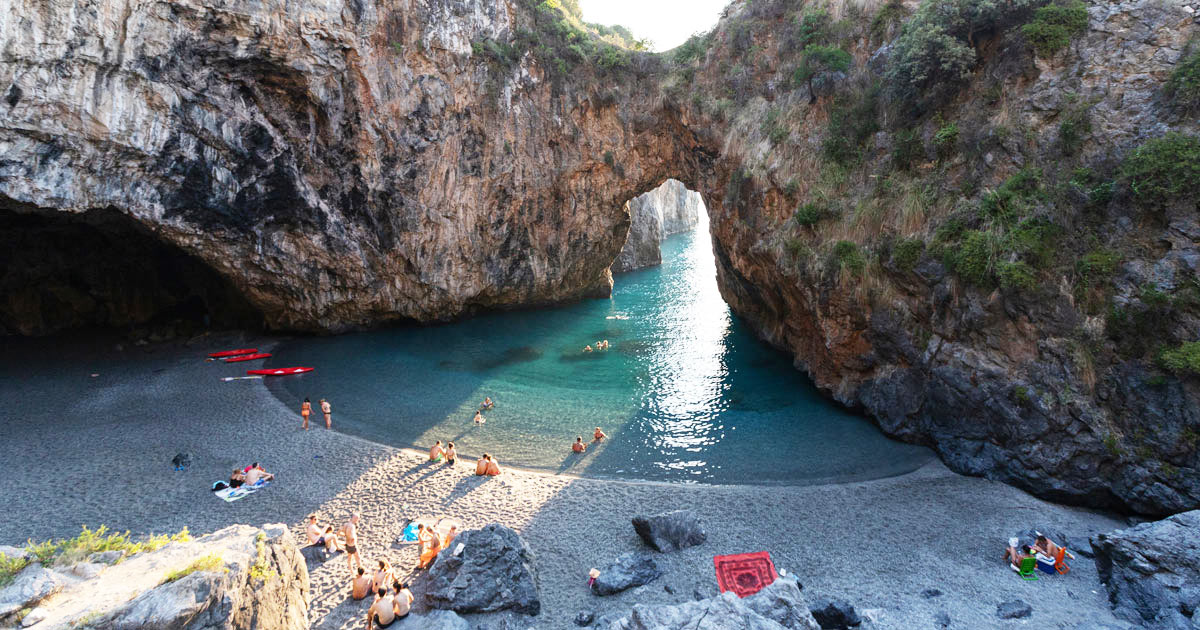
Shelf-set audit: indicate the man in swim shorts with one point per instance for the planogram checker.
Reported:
(350, 533)
(579, 446)
(436, 453)
(360, 585)
(383, 612)
(327, 410)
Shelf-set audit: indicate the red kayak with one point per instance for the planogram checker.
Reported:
(233, 353)
(279, 371)
(248, 357)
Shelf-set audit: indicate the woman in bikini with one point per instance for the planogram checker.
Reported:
(305, 409)
(451, 454)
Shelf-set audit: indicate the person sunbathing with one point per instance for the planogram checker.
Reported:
(383, 612)
(436, 453)
(481, 466)
(1049, 548)
(579, 446)
(237, 478)
(257, 474)
(360, 585)
(318, 536)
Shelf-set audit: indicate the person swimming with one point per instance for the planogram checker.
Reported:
(598, 435)
(487, 403)
(587, 348)
(579, 446)
(479, 419)
(605, 344)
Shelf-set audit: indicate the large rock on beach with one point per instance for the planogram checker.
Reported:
(671, 531)
(493, 572)
(629, 570)
(1153, 571)
(237, 578)
(433, 620)
(32, 585)
(779, 606)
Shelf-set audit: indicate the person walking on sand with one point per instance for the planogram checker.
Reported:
(579, 446)
(598, 435)
(360, 585)
(436, 453)
(305, 409)
(350, 533)
(451, 454)
(327, 410)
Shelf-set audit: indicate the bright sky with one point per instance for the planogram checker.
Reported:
(668, 23)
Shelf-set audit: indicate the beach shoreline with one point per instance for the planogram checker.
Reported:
(97, 450)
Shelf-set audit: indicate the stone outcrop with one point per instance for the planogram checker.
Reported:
(329, 166)
(779, 606)
(627, 571)
(493, 572)
(1152, 571)
(670, 531)
(669, 209)
(248, 578)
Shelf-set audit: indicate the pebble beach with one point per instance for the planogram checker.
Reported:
(88, 434)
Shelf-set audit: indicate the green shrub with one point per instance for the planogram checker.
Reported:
(1020, 395)
(945, 139)
(204, 564)
(1010, 200)
(1164, 169)
(907, 148)
(847, 255)
(1036, 239)
(1016, 275)
(907, 253)
(816, 60)
(889, 14)
(1054, 25)
(1073, 129)
(694, 48)
(609, 159)
(1184, 360)
(1097, 266)
(71, 550)
(260, 570)
(613, 58)
(811, 213)
(812, 28)
(852, 121)
(798, 248)
(1096, 190)
(976, 257)
(791, 187)
(9, 568)
(1183, 86)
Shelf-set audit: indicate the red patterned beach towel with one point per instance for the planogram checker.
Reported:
(744, 573)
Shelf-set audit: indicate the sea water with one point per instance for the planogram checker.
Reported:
(685, 391)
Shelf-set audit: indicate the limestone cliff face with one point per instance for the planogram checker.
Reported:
(666, 210)
(343, 164)
(350, 163)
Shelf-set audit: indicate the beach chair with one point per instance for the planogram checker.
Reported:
(1028, 569)
(1060, 563)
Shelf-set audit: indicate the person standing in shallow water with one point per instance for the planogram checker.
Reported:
(305, 409)
(579, 446)
(327, 410)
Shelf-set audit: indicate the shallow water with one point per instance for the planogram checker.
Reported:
(685, 393)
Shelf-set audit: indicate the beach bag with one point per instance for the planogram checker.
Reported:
(220, 485)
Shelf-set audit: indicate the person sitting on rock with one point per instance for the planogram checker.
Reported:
(1015, 556)
(360, 585)
(579, 446)
(383, 612)
(436, 453)
(402, 599)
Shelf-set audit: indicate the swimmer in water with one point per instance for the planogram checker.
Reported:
(598, 435)
(479, 419)
(579, 446)
(487, 403)
(587, 348)
(605, 344)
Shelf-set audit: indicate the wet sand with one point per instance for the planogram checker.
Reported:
(77, 449)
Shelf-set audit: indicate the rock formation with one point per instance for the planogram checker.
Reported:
(1152, 571)
(238, 578)
(670, 531)
(666, 210)
(627, 571)
(778, 606)
(494, 571)
(983, 274)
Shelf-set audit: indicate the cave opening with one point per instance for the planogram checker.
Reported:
(102, 270)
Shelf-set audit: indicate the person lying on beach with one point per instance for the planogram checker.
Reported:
(383, 576)
(350, 533)
(587, 348)
(257, 474)
(360, 585)
(383, 612)
(237, 478)
(598, 435)
(579, 446)
(479, 419)
(318, 536)
(403, 599)
(436, 453)
(487, 403)
(451, 454)
(1015, 556)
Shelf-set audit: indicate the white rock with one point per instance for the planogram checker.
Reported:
(32, 585)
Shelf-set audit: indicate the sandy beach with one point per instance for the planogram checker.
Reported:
(81, 449)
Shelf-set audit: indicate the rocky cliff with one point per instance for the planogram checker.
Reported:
(669, 209)
(972, 224)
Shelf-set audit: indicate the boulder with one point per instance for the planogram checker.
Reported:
(493, 572)
(671, 531)
(1153, 571)
(779, 606)
(87, 570)
(834, 614)
(33, 584)
(433, 620)
(315, 555)
(1015, 609)
(584, 618)
(107, 557)
(629, 570)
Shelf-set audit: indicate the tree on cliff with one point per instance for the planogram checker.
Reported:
(818, 59)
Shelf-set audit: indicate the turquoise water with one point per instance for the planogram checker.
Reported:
(685, 393)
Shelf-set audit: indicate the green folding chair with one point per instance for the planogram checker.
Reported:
(1028, 569)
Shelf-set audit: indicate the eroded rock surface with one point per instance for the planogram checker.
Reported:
(629, 570)
(493, 572)
(778, 606)
(1153, 571)
(670, 531)
(669, 209)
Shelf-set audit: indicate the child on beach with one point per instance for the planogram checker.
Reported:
(305, 409)
(436, 453)
(327, 410)
(579, 446)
